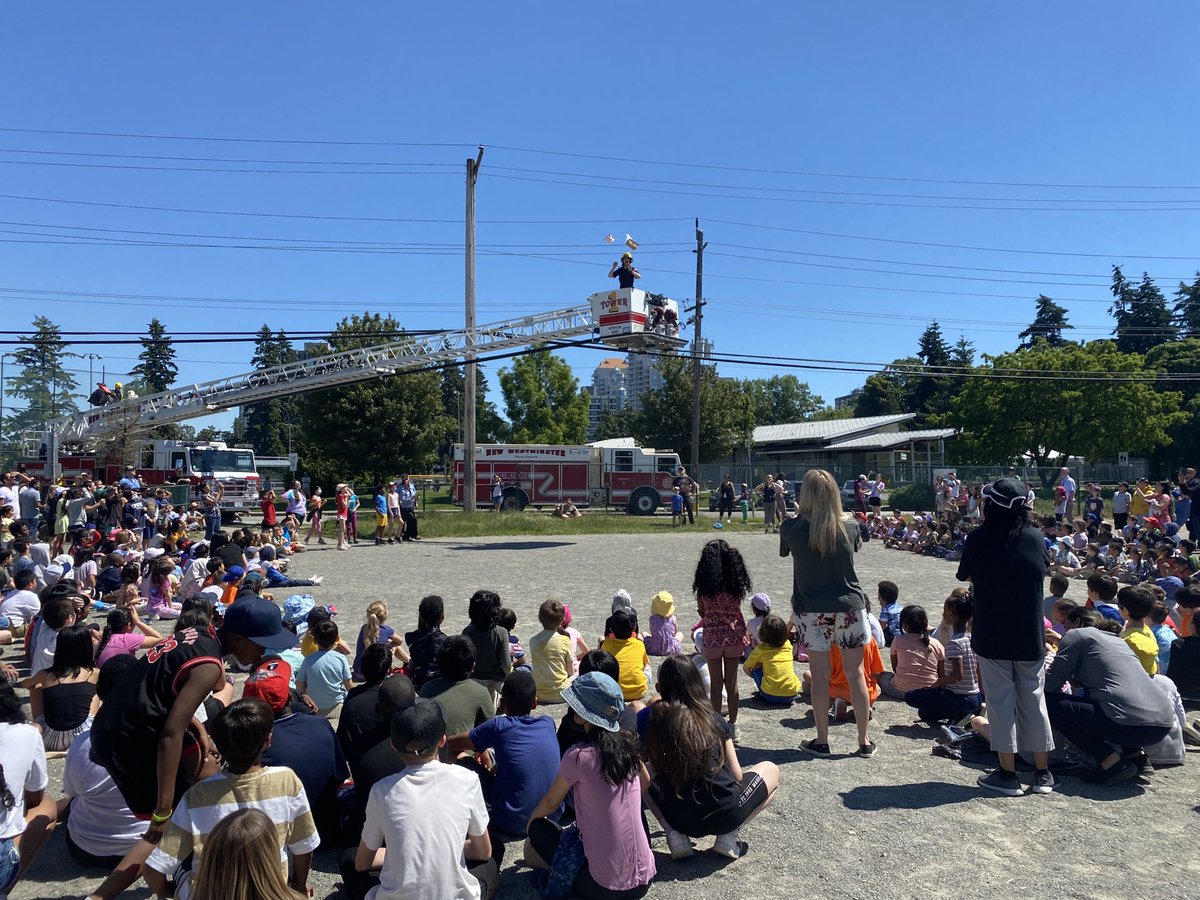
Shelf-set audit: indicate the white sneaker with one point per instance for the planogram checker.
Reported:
(318, 579)
(729, 846)
(678, 843)
(737, 733)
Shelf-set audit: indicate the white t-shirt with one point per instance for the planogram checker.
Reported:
(41, 652)
(423, 815)
(23, 759)
(20, 607)
(1170, 751)
(8, 497)
(100, 821)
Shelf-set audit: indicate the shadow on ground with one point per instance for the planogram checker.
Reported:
(516, 545)
(922, 795)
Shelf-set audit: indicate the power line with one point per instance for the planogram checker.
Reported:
(81, 165)
(221, 159)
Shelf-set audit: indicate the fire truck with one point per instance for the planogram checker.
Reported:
(606, 473)
(173, 462)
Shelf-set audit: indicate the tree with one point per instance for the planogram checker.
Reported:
(368, 431)
(1049, 323)
(781, 399)
(1003, 417)
(931, 393)
(1179, 358)
(1187, 308)
(46, 387)
(490, 427)
(827, 413)
(890, 391)
(1143, 318)
(265, 425)
(665, 418)
(963, 354)
(156, 370)
(543, 401)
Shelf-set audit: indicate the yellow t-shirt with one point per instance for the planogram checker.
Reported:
(551, 661)
(1142, 642)
(1139, 502)
(631, 657)
(307, 645)
(779, 675)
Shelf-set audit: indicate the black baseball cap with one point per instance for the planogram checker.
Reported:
(418, 729)
(260, 622)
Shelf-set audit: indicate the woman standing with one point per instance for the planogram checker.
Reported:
(408, 508)
(876, 496)
(769, 490)
(829, 604)
(210, 499)
(1005, 561)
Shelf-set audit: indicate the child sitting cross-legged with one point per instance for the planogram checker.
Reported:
(426, 829)
(324, 677)
(955, 693)
(1135, 603)
(525, 753)
(917, 659)
(631, 656)
(551, 659)
(770, 663)
(241, 733)
(664, 638)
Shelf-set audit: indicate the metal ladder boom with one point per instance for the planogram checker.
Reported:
(333, 370)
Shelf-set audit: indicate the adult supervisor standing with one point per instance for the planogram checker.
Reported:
(829, 604)
(1005, 561)
(687, 487)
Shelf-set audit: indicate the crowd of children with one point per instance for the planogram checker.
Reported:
(457, 744)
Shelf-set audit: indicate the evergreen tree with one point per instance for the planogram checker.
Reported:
(264, 426)
(932, 393)
(1187, 308)
(1049, 323)
(157, 370)
(963, 354)
(543, 400)
(46, 387)
(1143, 317)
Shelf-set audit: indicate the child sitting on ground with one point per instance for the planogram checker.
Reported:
(631, 656)
(760, 605)
(376, 631)
(1163, 633)
(308, 642)
(241, 733)
(664, 638)
(1101, 590)
(770, 663)
(955, 694)
(507, 620)
(621, 600)
(917, 659)
(1185, 652)
(1058, 589)
(425, 643)
(553, 663)
(579, 647)
(1136, 603)
(889, 611)
(325, 678)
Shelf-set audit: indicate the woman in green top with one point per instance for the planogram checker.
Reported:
(829, 604)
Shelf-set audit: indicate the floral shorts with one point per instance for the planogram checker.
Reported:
(820, 631)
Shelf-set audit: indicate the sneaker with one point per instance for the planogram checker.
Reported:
(813, 748)
(838, 711)
(318, 579)
(1002, 782)
(1122, 771)
(867, 750)
(1043, 782)
(955, 734)
(737, 733)
(679, 844)
(1191, 735)
(729, 846)
(1141, 762)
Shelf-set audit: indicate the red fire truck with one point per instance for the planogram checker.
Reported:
(607, 473)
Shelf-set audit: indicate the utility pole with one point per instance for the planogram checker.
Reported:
(469, 350)
(698, 319)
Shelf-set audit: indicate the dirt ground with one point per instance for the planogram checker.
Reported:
(902, 825)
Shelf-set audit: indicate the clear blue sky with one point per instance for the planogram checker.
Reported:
(1053, 95)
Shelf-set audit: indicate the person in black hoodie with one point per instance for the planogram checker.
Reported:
(426, 642)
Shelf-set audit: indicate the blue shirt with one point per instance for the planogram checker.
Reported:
(385, 635)
(1165, 637)
(1109, 611)
(527, 761)
(408, 496)
(889, 617)
(325, 674)
(1170, 585)
(676, 504)
(381, 504)
(307, 745)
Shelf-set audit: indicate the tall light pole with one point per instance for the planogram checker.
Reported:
(91, 357)
(469, 354)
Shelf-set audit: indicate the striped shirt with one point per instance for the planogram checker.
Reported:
(273, 790)
(959, 647)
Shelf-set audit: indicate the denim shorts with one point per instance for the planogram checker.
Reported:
(10, 864)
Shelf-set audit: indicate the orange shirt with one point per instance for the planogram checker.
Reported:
(839, 687)
(1185, 621)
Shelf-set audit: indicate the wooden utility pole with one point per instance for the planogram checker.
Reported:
(698, 319)
(469, 350)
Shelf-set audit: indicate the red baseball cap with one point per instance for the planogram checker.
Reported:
(271, 683)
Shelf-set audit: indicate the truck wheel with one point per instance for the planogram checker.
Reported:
(643, 502)
(514, 500)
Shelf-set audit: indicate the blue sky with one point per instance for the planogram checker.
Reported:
(892, 99)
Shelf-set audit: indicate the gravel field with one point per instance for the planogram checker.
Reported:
(902, 825)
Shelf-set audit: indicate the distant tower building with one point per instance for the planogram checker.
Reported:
(847, 401)
(608, 392)
(641, 375)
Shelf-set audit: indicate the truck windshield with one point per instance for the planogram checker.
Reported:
(222, 461)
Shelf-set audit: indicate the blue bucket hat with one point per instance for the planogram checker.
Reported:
(597, 699)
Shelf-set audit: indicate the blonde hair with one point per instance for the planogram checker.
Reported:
(820, 502)
(377, 614)
(241, 861)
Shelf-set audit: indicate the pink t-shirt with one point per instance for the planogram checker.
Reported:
(121, 644)
(916, 665)
(610, 822)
